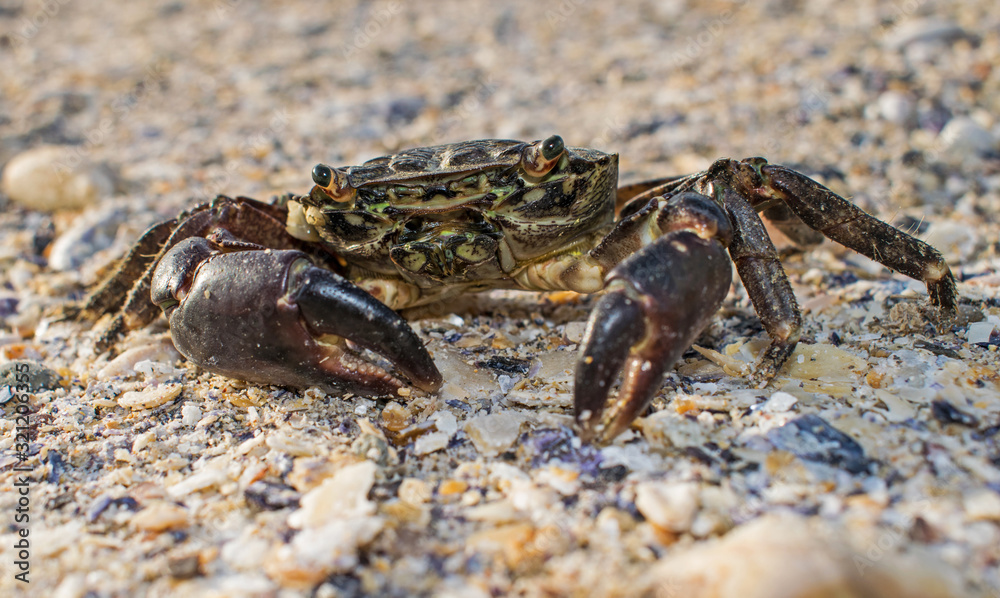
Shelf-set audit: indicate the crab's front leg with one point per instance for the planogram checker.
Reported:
(667, 273)
(274, 317)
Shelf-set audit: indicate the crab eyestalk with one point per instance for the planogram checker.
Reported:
(333, 183)
(540, 158)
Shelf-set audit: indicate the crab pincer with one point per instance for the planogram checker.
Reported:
(657, 302)
(272, 317)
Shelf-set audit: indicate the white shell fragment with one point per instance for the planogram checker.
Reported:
(494, 433)
(50, 178)
(151, 397)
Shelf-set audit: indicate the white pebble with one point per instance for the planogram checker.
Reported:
(964, 138)
(779, 402)
(53, 178)
(667, 505)
(343, 496)
(980, 332)
(428, 443)
(982, 505)
(190, 414)
(494, 433)
(896, 107)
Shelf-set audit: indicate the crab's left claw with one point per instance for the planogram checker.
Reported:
(275, 318)
(657, 303)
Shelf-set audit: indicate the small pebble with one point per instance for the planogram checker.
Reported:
(51, 178)
(979, 333)
(897, 108)
(39, 377)
(93, 232)
(963, 138)
(160, 517)
(270, 496)
(494, 433)
(811, 438)
(982, 505)
(190, 414)
(922, 31)
(946, 413)
(342, 496)
(668, 505)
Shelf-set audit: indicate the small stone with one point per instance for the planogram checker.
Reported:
(494, 433)
(414, 491)
(779, 402)
(811, 438)
(668, 505)
(428, 443)
(151, 397)
(980, 332)
(50, 178)
(183, 566)
(964, 138)
(753, 560)
(36, 376)
(922, 31)
(91, 233)
(269, 496)
(897, 107)
(982, 505)
(190, 414)
(451, 487)
(344, 495)
(160, 517)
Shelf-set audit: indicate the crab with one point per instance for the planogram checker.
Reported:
(289, 292)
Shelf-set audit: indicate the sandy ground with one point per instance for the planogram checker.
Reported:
(868, 468)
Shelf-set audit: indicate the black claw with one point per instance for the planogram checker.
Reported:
(332, 305)
(660, 299)
(616, 324)
(238, 314)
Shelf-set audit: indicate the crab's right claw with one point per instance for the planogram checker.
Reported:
(273, 317)
(657, 303)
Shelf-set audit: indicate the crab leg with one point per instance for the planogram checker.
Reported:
(658, 301)
(840, 220)
(273, 317)
(130, 300)
(766, 283)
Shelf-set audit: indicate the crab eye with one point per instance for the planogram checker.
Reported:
(552, 147)
(541, 157)
(322, 175)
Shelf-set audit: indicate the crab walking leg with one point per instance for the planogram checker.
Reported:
(247, 217)
(110, 295)
(658, 300)
(840, 220)
(273, 317)
(767, 285)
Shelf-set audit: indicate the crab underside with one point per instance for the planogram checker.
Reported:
(284, 293)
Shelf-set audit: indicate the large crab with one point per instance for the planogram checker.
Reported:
(269, 293)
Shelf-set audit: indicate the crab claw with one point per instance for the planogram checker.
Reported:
(275, 318)
(657, 303)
